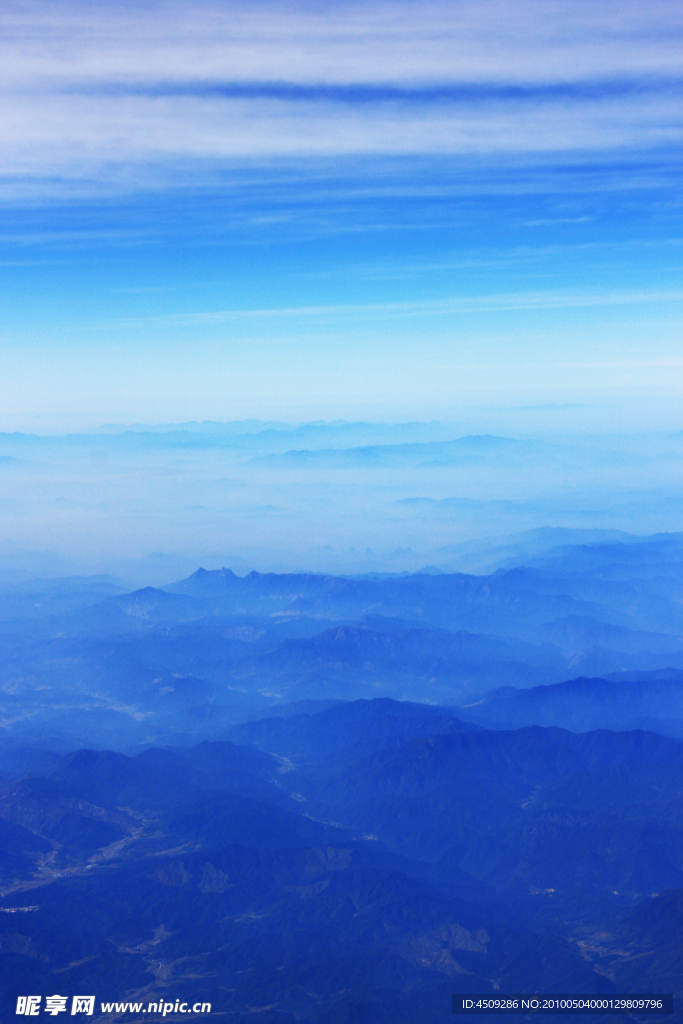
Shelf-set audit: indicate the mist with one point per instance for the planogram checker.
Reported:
(147, 504)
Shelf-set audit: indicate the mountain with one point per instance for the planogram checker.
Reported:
(347, 729)
(351, 661)
(658, 556)
(447, 601)
(325, 933)
(222, 872)
(155, 605)
(243, 904)
(531, 810)
(467, 451)
(188, 661)
(642, 951)
(37, 598)
(582, 705)
(351, 859)
(578, 634)
(525, 599)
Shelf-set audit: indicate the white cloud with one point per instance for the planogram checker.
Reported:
(67, 72)
(438, 307)
(468, 41)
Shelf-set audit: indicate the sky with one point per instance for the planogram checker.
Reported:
(381, 211)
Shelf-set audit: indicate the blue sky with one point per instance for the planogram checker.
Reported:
(377, 210)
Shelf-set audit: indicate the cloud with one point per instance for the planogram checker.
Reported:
(463, 304)
(122, 93)
(390, 42)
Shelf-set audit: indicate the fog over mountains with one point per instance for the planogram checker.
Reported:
(187, 660)
(355, 793)
(151, 505)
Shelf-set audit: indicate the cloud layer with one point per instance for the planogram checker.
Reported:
(89, 89)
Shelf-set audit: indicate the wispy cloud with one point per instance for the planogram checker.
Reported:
(89, 89)
(481, 303)
(380, 42)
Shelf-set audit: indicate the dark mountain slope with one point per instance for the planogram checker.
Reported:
(643, 951)
(223, 895)
(317, 930)
(523, 811)
(93, 799)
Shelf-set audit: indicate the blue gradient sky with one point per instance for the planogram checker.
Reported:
(377, 210)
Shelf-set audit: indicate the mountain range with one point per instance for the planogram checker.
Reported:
(340, 799)
(531, 860)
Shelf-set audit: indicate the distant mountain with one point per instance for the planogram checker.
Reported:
(297, 707)
(461, 451)
(618, 559)
(124, 613)
(18, 760)
(475, 603)
(37, 598)
(581, 705)
(578, 611)
(153, 605)
(188, 661)
(350, 661)
(578, 634)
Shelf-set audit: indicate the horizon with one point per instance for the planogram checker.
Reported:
(339, 497)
